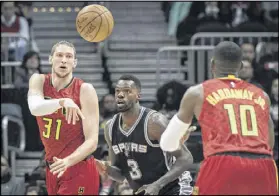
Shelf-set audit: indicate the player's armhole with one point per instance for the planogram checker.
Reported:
(146, 131)
(111, 123)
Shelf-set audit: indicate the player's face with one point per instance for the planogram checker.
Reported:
(126, 95)
(63, 61)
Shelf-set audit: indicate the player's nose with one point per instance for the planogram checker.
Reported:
(64, 59)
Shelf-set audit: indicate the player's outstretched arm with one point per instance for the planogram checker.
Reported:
(179, 124)
(157, 124)
(110, 169)
(90, 124)
(38, 106)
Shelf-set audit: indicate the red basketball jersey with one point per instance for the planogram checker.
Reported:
(234, 117)
(60, 138)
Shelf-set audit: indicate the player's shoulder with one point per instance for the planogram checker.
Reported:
(195, 90)
(87, 89)
(36, 77)
(157, 118)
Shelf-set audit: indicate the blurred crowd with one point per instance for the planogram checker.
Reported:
(184, 20)
(15, 18)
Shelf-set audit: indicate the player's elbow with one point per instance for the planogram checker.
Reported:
(93, 145)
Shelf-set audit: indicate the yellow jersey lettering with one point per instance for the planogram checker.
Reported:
(211, 100)
(216, 96)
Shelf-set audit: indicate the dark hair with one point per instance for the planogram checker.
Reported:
(227, 56)
(27, 56)
(132, 78)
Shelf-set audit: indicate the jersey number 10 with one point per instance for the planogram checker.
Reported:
(243, 109)
(49, 125)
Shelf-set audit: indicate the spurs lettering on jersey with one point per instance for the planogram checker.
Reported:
(126, 148)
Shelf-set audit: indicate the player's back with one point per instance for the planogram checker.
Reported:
(60, 138)
(234, 117)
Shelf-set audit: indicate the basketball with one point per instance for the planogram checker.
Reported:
(94, 23)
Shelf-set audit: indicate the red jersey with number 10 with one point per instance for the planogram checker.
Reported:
(59, 138)
(234, 117)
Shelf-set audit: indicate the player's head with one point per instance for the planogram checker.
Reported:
(127, 92)
(246, 71)
(226, 59)
(63, 58)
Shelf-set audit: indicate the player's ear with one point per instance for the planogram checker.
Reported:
(139, 96)
(50, 59)
(75, 63)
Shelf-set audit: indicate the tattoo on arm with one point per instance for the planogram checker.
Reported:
(157, 123)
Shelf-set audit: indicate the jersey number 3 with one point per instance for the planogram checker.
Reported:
(135, 172)
(48, 126)
(243, 109)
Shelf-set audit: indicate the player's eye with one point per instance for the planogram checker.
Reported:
(69, 56)
(59, 55)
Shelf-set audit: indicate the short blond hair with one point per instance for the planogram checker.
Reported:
(63, 42)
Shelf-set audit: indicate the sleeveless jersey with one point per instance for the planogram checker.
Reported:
(141, 160)
(234, 117)
(60, 138)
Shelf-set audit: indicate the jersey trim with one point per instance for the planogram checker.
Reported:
(127, 133)
(111, 126)
(146, 130)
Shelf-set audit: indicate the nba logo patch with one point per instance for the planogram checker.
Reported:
(80, 190)
(195, 190)
(232, 84)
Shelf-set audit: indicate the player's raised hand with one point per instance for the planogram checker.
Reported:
(72, 110)
(59, 166)
(185, 137)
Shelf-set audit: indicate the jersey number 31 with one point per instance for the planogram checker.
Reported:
(243, 109)
(49, 125)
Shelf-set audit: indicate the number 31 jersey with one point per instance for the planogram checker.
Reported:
(234, 117)
(141, 161)
(60, 138)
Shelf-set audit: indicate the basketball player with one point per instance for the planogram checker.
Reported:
(237, 130)
(133, 138)
(69, 134)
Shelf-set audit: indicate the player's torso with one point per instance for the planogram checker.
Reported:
(234, 117)
(139, 161)
(59, 137)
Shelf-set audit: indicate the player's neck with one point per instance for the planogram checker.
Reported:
(60, 83)
(224, 75)
(130, 116)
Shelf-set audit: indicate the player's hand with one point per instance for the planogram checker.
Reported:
(101, 166)
(149, 189)
(186, 136)
(72, 110)
(59, 166)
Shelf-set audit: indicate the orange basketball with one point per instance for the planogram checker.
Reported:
(94, 23)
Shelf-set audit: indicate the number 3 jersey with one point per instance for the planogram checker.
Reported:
(60, 138)
(234, 117)
(141, 160)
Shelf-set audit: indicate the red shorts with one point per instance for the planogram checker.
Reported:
(82, 178)
(235, 175)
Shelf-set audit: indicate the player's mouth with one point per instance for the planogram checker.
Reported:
(120, 103)
(63, 67)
